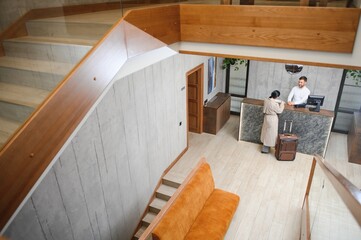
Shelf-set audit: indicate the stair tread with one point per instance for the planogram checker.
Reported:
(53, 40)
(139, 233)
(110, 17)
(3, 138)
(158, 203)
(22, 95)
(36, 65)
(166, 190)
(149, 217)
(8, 126)
(174, 177)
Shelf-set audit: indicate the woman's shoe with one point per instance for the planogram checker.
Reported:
(265, 149)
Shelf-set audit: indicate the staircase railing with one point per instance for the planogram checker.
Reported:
(332, 204)
(25, 157)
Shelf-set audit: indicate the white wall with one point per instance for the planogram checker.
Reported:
(100, 185)
(264, 77)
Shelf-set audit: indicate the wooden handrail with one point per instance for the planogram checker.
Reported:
(25, 157)
(347, 191)
(170, 202)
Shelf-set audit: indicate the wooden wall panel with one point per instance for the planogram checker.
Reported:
(283, 27)
(160, 22)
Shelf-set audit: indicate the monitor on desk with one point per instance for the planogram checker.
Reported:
(315, 100)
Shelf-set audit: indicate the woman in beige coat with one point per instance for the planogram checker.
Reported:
(270, 121)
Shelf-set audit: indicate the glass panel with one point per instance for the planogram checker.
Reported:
(37, 56)
(343, 121)
(238, 79)
(351, 97)
(236, 104)
(350, 102)
(329, 216)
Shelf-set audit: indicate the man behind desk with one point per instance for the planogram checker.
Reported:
(299, 94)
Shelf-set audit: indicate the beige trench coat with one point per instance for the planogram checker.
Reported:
(270, 121)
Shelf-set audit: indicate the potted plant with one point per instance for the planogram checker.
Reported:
(355, 75)
(227, 62)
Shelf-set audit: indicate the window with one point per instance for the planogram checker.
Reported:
(236, 83)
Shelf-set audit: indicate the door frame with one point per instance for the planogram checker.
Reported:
(199, 94)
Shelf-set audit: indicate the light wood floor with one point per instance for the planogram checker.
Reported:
(271, 191)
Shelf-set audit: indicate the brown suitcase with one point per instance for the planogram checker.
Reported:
(286, 145)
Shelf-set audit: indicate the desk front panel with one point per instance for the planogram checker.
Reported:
(313, 130)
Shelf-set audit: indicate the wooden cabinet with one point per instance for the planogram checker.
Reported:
(354, 139)
(216, 113)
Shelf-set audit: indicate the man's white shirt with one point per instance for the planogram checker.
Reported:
(298, 95)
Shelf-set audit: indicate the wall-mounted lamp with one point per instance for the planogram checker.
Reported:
(293, 68)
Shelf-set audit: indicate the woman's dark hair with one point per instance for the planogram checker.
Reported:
(275, 94)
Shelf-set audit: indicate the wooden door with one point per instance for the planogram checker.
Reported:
(195, 99)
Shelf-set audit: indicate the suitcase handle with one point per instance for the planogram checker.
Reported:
(285, 125)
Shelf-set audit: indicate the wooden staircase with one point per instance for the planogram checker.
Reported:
(169, 184)
(34, 65)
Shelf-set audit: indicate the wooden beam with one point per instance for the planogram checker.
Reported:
(267, 26)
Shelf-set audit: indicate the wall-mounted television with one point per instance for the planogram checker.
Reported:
(315, 100)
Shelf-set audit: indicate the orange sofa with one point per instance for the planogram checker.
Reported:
(199, 211)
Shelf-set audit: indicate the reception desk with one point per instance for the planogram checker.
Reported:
(312, 128)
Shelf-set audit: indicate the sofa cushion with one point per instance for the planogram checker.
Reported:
(179, 218)
(214, 219)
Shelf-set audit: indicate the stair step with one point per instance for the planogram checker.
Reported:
(173, 179)
(44, 27)
(7, 128)
(20, 95)
(156, 205)
(15, 113)
(48, 48)
(165, 192)
(105, 17)
(33, 73)
(140, 232)
(36, 65)
(54, 40)
(3, 138)
(148, 219)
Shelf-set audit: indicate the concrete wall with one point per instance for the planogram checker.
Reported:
(264, 77)
(101, 183)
